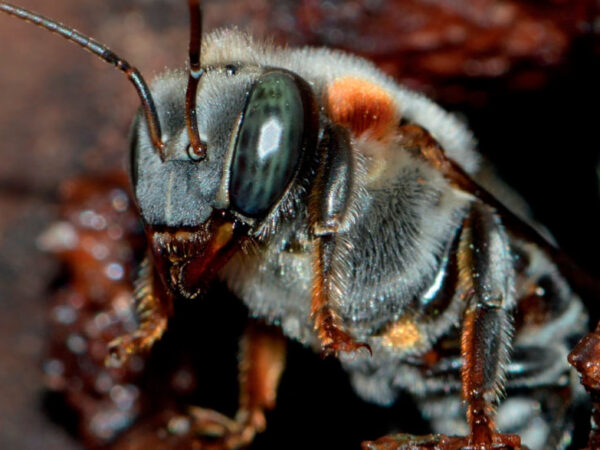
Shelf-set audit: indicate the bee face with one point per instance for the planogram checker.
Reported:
(182, 191)
(260, 126)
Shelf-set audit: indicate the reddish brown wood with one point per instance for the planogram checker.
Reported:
(441, 442)
(585, 357)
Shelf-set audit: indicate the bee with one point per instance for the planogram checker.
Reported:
(355, 216)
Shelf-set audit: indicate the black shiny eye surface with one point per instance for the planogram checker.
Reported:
(269, 144)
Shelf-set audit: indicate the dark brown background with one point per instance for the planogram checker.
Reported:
(523, 74)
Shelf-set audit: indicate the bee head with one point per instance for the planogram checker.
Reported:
(225, 177)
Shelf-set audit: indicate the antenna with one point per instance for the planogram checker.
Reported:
(105, 54)
(197, 146)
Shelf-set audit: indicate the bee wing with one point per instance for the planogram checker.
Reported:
(424, 146)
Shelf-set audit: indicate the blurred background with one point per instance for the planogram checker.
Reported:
(523, 74)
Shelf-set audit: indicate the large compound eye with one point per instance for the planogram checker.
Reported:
(269, 144)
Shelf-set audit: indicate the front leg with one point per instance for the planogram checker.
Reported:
(152, 313)
(329, 207)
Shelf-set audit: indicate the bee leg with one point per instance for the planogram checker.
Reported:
(539, 404)
(486, 280)
(328, 324)
(152, 313)
(328, 207)
(262, 360)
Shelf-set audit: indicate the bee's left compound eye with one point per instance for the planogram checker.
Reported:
(269, 144)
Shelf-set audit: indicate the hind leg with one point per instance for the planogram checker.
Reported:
(542, 417)
(262, 360)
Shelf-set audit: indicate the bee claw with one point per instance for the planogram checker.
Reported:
(114, 361)
(234, 433)
(343, 343)
(119, 351)
(367, 347)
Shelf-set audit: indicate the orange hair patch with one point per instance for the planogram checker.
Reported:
(403, 334)
(361, 106)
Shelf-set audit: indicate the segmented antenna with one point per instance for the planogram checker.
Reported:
(106, 55)
(198, 147)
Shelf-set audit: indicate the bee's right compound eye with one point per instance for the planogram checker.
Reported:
(269, 144)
